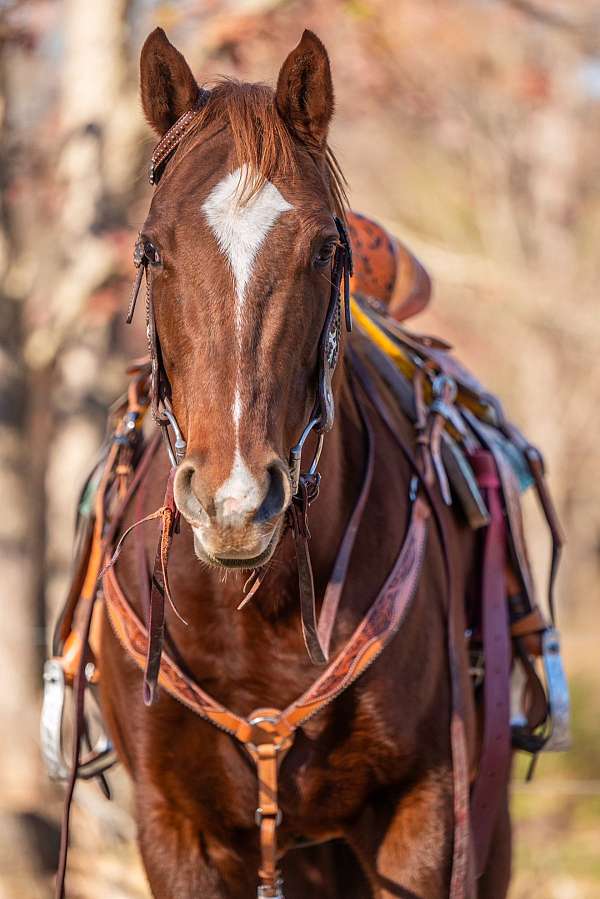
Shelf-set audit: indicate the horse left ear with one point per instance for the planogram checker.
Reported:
(304, 95)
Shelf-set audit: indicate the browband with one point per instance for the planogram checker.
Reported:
(173, 137)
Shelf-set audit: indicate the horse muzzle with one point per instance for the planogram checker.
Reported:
(239, 524)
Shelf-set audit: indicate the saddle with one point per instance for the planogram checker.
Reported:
(470, 455)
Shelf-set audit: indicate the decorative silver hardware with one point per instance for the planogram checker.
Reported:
(100, 759)
(477, 667)
(51, 721)
(258, 720)
(176, 453)
(264, 892)
(296, 454)
(558, 694)
(259, 815)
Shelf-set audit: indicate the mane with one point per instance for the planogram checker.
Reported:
(262, 141)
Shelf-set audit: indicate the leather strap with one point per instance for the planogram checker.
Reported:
(88, 597)
(268, 817)
(335, 587)
(306, 587)
(495, 756)
(531, 623)
(536, 466)
(512, 503)
(160, 588)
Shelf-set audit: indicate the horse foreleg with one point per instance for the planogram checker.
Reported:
(404, 840)
(185, 861)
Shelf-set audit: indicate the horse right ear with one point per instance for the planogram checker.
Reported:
(168, 87)
(304, 95)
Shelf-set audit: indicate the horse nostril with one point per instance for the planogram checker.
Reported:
(277, 495)
(186, 499)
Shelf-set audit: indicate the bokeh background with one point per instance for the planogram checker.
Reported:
(472, 129)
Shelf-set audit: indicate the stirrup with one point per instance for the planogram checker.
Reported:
(101, 756)
(559, 737)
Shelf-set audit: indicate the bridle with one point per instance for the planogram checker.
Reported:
(321, 419)
(304, 484)
(322, 415)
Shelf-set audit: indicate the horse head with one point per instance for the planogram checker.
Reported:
(241, 239)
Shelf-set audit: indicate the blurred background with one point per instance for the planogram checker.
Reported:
(471, 128)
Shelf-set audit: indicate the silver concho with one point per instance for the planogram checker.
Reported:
(333, 339)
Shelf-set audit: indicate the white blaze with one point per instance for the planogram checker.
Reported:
(240, 230)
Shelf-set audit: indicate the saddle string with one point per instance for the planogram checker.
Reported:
(164, 513)
(252, 585)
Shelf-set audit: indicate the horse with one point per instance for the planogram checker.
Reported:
(240, 243)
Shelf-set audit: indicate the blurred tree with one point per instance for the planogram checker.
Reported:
(19, 669)
(96, 176)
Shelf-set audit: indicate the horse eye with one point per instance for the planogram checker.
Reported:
(325, 253)
(151, 253)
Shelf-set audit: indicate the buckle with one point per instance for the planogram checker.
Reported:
(259, 815)
(260, 735)
(476, 667)
(274, 892)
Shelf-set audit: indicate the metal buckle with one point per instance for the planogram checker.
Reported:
(296, 454)
(177, 453)
(558, 694)
(259, 815)
(264, 892)
(99, 759)
(477, 667)
(256, 722)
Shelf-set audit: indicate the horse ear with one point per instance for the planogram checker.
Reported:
(304, 95)
(168, 87)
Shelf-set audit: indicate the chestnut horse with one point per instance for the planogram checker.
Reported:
(242, 235)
